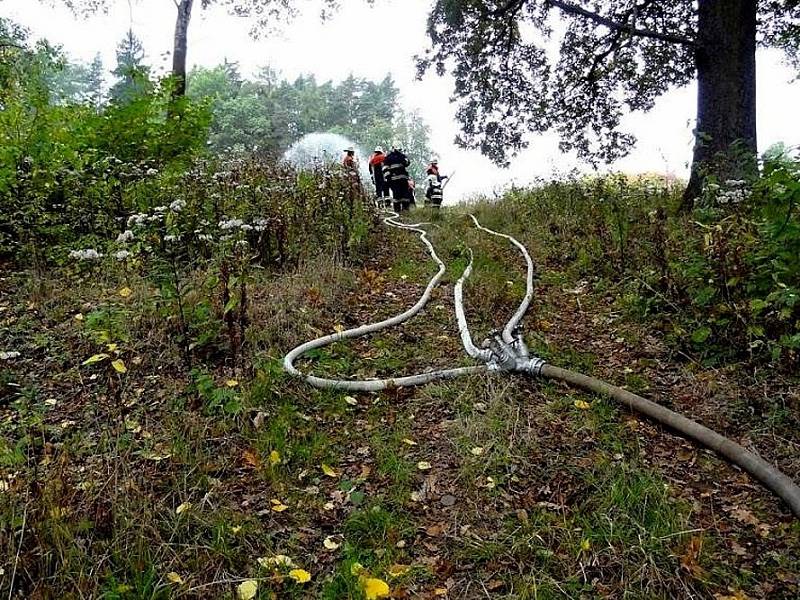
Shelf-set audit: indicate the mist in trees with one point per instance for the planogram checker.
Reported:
(272, 113)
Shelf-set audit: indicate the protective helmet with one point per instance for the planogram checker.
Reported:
(435, 160)
(350, 149)
(379, 149)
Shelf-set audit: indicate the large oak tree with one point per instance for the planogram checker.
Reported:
(577, 67)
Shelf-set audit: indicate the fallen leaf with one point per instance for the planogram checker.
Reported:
(125, 292)
(96, 359)
(119, 366)
(78, 317)
(274, 458)
(409, 442)
(232, 383)
(330, 543)
(278, 506)
(251, 458)
(173, 577)
(300, 575)
(582, 404)
(338, 328)
(279, 560)
(477, 451)
(328, 470)
(398, 570)
(375, 588)
(351, 401)
(183, 508)
(490, 483)
(247, 590)
(690, 558)
(424, 465)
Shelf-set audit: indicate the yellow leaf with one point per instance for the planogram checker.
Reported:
(477, 451)
(111, 347)
(356, 569)
(274, 458)
(247, 590)
(409, 442)
(300, 575)
(96, 359)
(278, 506)
(173, 577)
(119, 366)
(231, 383)
(338, 328)
(375, 588)
(328, 470)
(582, 404)
(424, 465)
(183, 508)
(330, 543)
(398, 570)
(125, 292)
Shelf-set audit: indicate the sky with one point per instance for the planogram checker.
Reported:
(371, 41)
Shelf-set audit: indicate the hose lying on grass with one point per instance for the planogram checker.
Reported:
(506, 351)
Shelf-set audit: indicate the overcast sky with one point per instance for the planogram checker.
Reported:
(359, 40)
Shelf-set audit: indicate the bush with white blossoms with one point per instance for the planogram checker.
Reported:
(88, 255)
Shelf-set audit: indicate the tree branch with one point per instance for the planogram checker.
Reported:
(573, 9)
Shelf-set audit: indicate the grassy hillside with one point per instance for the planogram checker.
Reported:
(152, 447)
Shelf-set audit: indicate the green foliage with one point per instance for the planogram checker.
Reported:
(66, 169)
(722, 282)
(271, 114)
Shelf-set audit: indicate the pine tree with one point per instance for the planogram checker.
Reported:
(95, 82)
(133, 77)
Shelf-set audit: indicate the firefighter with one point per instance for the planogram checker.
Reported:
(433, 169)
(376, 172)
(395, 171)
(349, 160)
(434, 191)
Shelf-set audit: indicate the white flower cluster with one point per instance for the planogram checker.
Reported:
(125, 236)
(122, 255)
(171, 238)
(137, 219)
(177, 205)
(229, 224)
(88, 254)
(736, 192)
(152, 172)
(260, 224)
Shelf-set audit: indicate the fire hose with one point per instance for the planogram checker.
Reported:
(505, 351)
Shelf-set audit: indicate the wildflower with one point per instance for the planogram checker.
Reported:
(137, 219)
(160, 209)
(204, 237)
(231, 224)
(125, 236)
(152, 172)
(246, 227)
(122, 255)
(87, 254)
(9, 355)
(242, 243)
(171, 238)
(177, 205)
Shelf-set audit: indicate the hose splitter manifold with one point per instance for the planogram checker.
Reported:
(505, 351)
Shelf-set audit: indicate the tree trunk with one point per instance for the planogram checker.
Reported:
(179, 49)
(725, 57)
